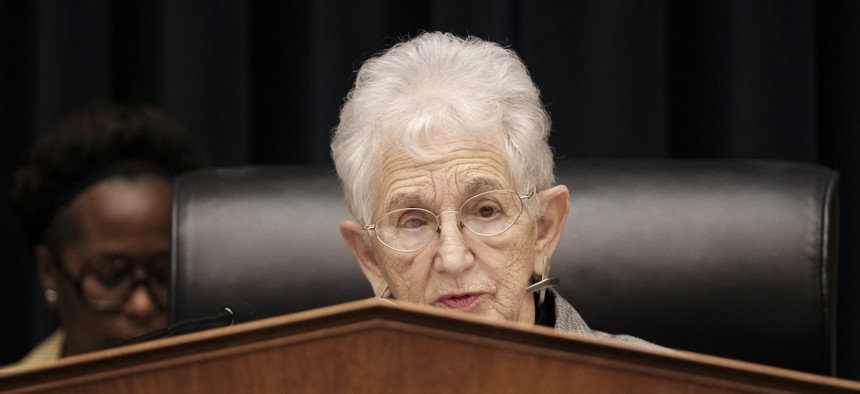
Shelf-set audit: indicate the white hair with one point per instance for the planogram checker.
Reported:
(438, 82)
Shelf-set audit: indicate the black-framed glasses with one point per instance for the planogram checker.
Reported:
(106, 285)
(486, 214)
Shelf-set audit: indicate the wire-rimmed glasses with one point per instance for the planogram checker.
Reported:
(486, 214)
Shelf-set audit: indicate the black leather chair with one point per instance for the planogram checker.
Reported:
(730, 258)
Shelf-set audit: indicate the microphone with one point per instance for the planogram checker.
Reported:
(237, 312)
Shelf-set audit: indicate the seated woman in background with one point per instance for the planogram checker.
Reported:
(95, 202)
(442, 149)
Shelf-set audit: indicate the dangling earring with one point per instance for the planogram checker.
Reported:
(543, 281)
(382, 290)
(51, 297)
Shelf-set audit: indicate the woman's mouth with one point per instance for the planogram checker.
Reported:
(458, 301)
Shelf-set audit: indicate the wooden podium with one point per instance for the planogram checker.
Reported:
(377, 346)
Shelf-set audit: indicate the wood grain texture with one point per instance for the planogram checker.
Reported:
(376, 346)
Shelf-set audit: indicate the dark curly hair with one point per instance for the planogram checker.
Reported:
(74, 154)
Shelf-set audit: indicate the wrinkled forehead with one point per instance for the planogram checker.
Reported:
(449, 195)
(445, 171)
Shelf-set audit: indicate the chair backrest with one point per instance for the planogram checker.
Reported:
(729, 258)
(266, 236)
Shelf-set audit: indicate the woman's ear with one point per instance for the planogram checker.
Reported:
(46, 266)
(353, 233)
(556, 204)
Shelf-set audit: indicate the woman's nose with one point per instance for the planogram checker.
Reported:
(140, 304)
(453, 255)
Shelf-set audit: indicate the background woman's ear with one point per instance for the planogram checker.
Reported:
(556, 204)
(354, 235)
(46, 266)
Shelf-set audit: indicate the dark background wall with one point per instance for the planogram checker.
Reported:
(260, 83)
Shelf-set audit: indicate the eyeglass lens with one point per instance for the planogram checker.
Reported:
(108, 284)
(486, 214)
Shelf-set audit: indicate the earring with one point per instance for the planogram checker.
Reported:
(51, 297)
(382, 290)
(543, 281)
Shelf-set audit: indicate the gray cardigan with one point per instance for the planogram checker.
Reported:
(566, 318)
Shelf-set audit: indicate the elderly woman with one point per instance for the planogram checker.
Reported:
(442, 150)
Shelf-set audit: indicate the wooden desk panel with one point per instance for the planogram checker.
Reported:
(377, 346)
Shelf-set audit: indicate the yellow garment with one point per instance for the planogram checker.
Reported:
(45, 353)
